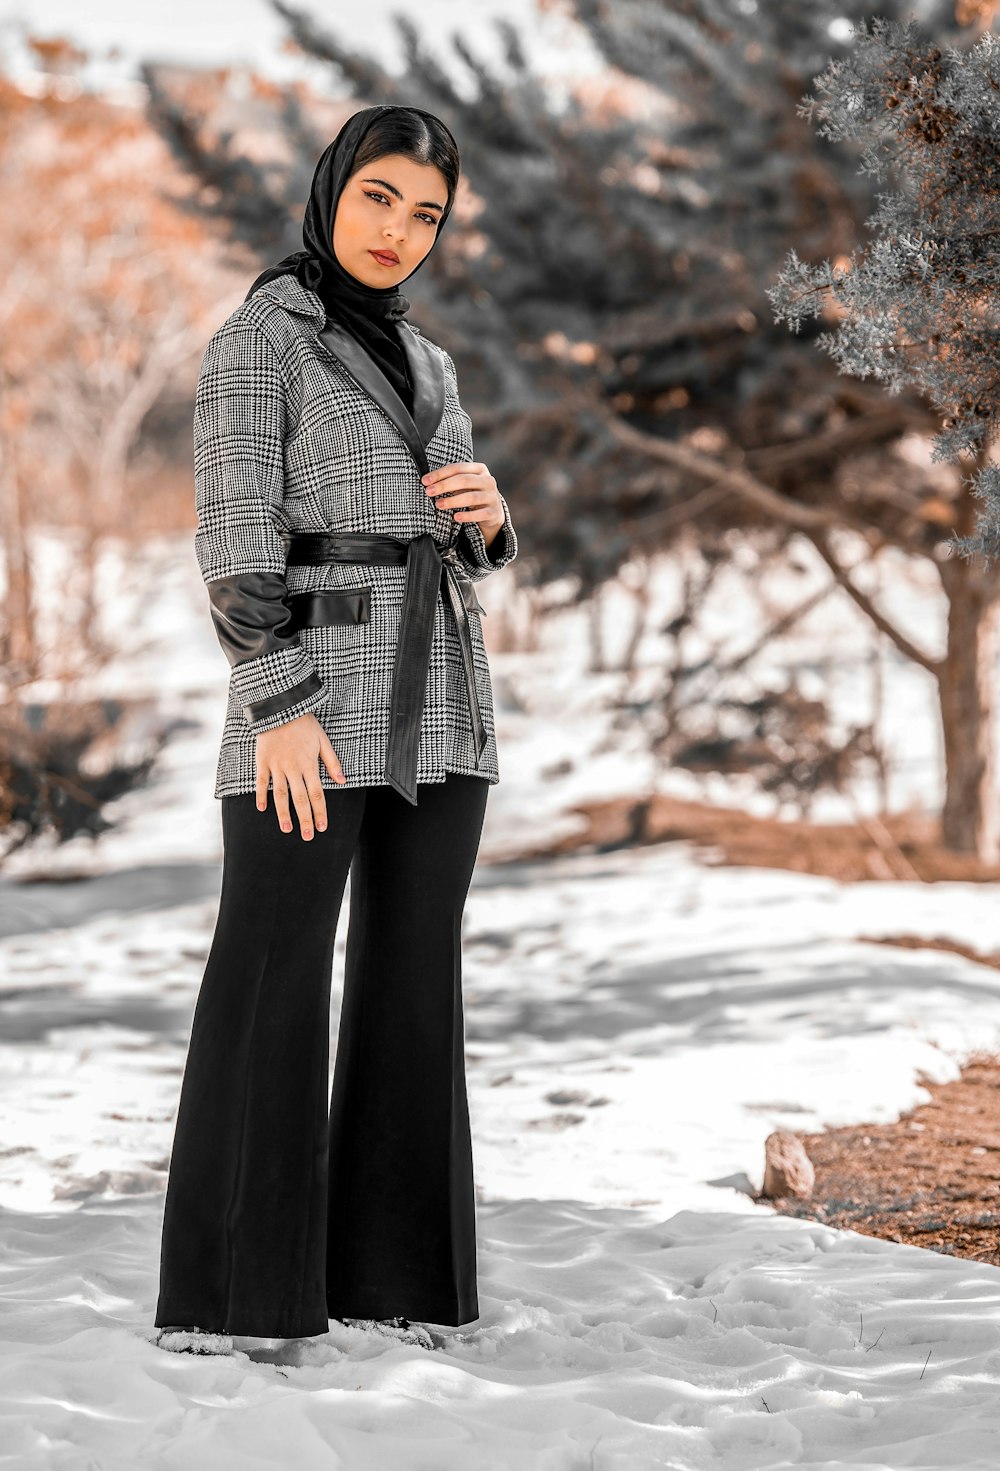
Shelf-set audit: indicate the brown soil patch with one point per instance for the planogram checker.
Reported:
(904, 845)
(931, 1178)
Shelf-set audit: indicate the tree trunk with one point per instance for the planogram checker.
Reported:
(970, 822)
(641, 594)
(18, 641)
(595, 629)
(969, 815)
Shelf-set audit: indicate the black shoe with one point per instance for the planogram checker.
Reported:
(193, 1341)
(400, 1329)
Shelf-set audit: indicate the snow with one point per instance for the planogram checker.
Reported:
(636, 1025)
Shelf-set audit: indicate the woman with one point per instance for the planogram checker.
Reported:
(342, 523)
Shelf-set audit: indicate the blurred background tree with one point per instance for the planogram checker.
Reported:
(604, 289)
(101, 302)
(917, 307)
(105, 301)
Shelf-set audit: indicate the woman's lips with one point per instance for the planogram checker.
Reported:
(385, 258)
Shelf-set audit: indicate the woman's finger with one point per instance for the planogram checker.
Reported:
(263, 781)
(330, 758)
(301, 802)
(317, 799)
(280, 789)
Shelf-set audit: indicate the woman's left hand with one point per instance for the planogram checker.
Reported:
(470, 492)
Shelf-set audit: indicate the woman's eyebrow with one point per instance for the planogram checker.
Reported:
(423, 203)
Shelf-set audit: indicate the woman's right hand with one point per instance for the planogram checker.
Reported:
(288, 757)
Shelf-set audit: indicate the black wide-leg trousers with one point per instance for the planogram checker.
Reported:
(286, 1207)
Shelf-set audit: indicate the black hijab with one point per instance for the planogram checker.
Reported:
(370, 313)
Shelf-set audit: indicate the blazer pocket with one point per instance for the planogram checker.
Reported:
(330, 605)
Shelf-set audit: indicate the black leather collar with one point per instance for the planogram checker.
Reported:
(426, 372)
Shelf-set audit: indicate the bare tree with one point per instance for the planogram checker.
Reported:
(104, 297)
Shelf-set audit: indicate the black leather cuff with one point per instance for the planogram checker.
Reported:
(284, 699)
(251, 615)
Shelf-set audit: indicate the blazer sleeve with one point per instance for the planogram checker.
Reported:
(239, 432)
(478, 560)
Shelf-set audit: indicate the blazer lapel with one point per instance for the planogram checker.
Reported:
(427, 376)
(426, 373)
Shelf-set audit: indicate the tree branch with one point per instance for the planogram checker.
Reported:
(908, 649)
(780, 507)
(813, 521)
(872, 428)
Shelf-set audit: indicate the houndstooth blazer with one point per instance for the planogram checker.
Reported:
(287, 439)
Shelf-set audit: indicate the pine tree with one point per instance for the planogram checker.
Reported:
(917, 306)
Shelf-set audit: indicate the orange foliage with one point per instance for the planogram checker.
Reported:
(107, 290)
(99, 270)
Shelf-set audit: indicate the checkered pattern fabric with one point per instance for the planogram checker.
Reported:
(285, 440)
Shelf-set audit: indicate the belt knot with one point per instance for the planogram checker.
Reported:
(430, 569)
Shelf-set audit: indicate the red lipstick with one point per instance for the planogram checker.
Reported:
(385, 257)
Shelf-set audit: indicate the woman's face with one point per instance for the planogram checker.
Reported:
(391, 205)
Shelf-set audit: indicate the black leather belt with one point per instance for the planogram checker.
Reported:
(430, 569)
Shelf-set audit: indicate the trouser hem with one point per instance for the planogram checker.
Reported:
(448, 1315)
(241, 1327)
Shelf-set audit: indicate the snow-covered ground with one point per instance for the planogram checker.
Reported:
(636, 1025)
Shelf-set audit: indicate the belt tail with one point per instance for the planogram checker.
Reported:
(412, 662)
(456, 596)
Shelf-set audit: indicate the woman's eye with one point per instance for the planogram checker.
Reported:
(377, 194)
